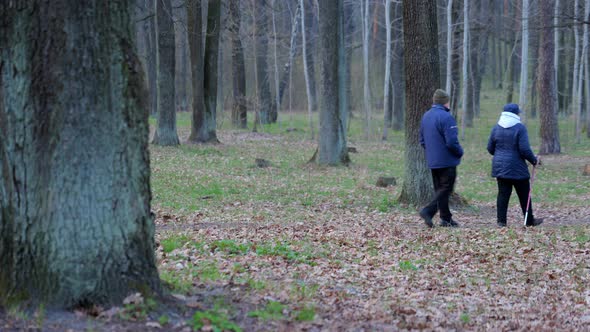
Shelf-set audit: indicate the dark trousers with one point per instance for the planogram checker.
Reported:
(444, 182)
(522, 188)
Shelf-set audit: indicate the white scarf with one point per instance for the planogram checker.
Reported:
(508, 119)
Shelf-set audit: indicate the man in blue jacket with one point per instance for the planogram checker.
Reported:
(438, 136)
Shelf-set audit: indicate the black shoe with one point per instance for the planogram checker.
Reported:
(448, 223)
(501, 224)
(427, 218)
(536, 222)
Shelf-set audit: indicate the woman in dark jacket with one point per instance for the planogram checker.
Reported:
(509, 144)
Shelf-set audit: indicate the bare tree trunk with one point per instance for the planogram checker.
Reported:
(556, 51)
(204, 128)
(277, 106)
(422, 78)
(332, 148)
(456, 62)
(166, 66)
(398, 70)
(239, 106)
(264, 95)
(295, 25)
(366, 89)
(75, 221)
(575, 104)
(196, 46)
(548, 113)
(581, 83)
(466, 95)
(387, 114)
(306, 71)
(449, 45)
(524, 77)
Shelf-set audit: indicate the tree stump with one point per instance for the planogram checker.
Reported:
(262, 163)
(586, 170)
(352, 149)
(458, 201)
(384, 182)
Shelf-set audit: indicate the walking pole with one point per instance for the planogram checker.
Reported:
(528, 202)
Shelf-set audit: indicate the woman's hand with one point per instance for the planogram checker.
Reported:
(539, 162)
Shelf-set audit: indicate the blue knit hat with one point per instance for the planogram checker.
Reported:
(512, 108)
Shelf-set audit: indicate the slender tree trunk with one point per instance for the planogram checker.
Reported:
(534, 65)
(239, 105)
(398, 70)
(556, 51)
(75, 221)
(332, 148)
(548, 114)
(306, 72)
(295, 26)
(166, 66)
(574, 103)
(482, 53)
(456, 58)
(387, 80)
(277, 103)
(422, 78)
(581, 83)
(466, 95)
(366, 89)
(524, 77)
(513, 49)
(449, 45)
(310, 54)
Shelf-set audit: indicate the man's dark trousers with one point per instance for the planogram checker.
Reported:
(444, 181)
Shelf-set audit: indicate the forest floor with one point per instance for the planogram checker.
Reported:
(297, 247)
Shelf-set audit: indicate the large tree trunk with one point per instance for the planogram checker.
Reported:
(398, 86)
(263, 82)
(332, 148)
(182, 77)
(239, 106)
(166, 65)
(422, 78)
(196, 46)
(549, 127)
(204, 127)
(75, 221)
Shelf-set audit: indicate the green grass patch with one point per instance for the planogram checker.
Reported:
(174, 242)
(214, 320)
(272, 311)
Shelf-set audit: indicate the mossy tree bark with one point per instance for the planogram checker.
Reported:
(75, 221)
(422, 78)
